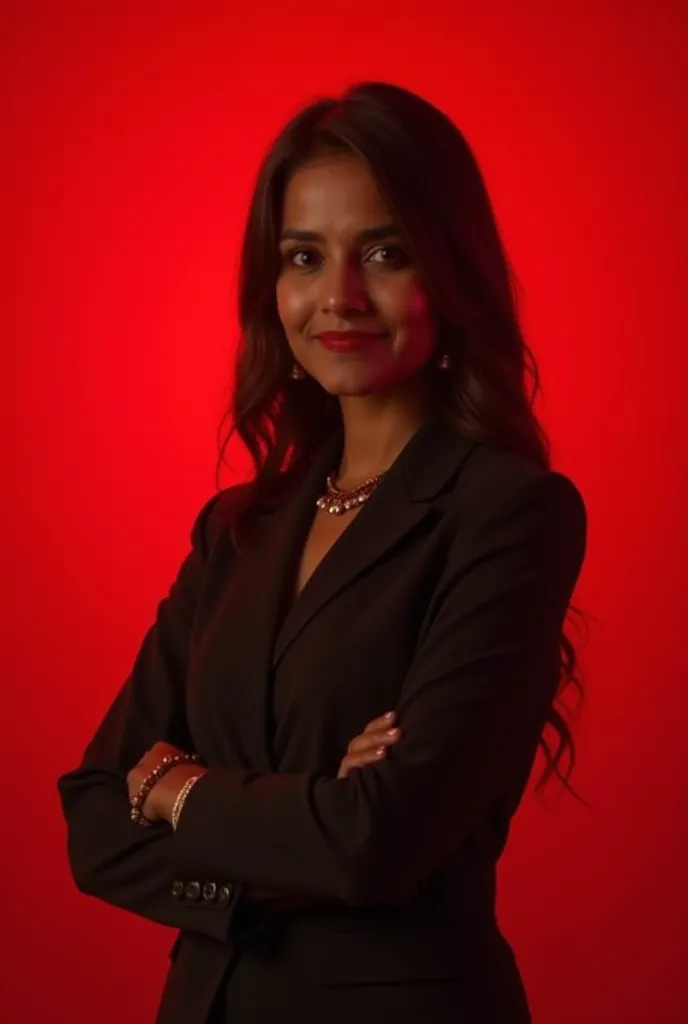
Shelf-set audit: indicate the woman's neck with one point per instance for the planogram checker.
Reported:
(375, 433)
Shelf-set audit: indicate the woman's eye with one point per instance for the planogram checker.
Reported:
(389, 254)
(300, 257)
(383, 255)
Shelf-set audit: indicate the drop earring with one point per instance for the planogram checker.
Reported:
(444, 362)
(297, 372)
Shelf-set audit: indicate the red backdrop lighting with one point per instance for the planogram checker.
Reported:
(133, 131)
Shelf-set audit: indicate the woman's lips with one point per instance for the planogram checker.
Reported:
(349, 341)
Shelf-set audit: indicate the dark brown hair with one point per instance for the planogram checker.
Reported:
(429, 178)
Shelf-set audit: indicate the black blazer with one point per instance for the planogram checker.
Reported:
(445, 599)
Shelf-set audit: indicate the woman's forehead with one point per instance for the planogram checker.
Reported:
(336, 192)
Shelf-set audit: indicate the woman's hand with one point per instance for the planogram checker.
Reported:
(371, 745)
(160, 801)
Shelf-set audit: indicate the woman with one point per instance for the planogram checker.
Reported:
(405, 547)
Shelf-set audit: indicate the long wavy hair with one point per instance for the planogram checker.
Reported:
(431, 182)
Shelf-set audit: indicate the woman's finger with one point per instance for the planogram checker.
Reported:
(371, 740)
(358, 761)
(383, 722)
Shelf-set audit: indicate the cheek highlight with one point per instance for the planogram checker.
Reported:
(290, 304)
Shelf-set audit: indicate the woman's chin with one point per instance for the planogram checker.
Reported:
(351, 384)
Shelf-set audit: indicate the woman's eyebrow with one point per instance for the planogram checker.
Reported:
(366, 235)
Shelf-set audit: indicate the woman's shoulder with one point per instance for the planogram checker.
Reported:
(227, 502)
(493, 478)
(218, 513)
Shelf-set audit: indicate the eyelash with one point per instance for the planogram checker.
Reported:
(401, 261)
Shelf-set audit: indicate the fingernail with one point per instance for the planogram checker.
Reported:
(380, 751)
(389, 716)
(392, 732)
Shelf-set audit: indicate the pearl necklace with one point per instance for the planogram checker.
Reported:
(337, 502)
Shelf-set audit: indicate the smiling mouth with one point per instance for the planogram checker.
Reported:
(349, 341)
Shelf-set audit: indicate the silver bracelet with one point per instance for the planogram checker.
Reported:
(181, 798)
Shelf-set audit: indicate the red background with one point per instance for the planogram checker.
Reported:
(134, 131)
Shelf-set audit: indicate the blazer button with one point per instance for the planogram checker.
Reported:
(177, 888)
(193, 890)
(224, 895)
(209, 892)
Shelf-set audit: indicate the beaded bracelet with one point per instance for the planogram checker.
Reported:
(168, 762)
(181, 798)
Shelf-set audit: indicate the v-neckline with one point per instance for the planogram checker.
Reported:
(296, 568)
(314, 482)
(400, 503)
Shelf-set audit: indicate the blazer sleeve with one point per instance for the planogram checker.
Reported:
(110, 857)
(472, 709)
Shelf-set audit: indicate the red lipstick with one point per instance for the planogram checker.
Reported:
(348, 341)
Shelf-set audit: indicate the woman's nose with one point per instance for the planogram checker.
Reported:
(343, 288)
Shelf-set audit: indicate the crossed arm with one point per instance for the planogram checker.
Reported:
(471, 710)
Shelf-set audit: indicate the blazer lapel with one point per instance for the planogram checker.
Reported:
(264, 623)
(399, 504)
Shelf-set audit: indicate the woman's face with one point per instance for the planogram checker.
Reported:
(344, 270)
